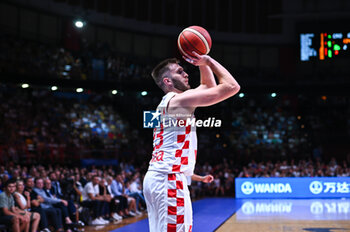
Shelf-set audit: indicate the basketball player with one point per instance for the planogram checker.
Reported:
(175, 145)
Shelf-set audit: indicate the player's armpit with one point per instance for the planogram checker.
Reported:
(204, 96)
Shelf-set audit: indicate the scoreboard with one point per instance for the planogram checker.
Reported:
(324, 46)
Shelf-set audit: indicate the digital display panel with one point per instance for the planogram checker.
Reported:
(324, 46)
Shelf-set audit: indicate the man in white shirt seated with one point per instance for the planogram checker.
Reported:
(115, 202)
(92, 200)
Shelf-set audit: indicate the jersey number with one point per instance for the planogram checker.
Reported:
(160, 136)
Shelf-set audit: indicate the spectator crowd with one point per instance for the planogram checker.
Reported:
(54, 128)
(93, 62)
(64, 199)
(99, 61)
(55, 125)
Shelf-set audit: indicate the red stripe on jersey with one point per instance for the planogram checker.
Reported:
(172, 210)
(184, 160)
(171, 228)
(180, 201)
(186, 145)
(179, 185)
(195, 154)
(171, 192)
(178, 153)
(181, 138)
(188, 129)
(176, 168)
(171, 177)
(180, 219)
(190, 230)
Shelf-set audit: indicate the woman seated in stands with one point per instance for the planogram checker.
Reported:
(22, 201)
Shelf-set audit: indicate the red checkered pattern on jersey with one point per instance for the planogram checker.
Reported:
(176, 204)
(184, 144)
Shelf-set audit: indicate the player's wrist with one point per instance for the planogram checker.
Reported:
(210, 62)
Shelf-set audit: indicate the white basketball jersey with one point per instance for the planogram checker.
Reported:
(174, 145)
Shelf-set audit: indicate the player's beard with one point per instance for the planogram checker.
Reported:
(180, 85)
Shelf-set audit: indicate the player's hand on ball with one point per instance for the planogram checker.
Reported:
(196, 59)
(208, 179)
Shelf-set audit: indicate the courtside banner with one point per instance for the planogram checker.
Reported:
(293, 187)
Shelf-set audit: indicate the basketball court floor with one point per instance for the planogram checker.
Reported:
(260, 215)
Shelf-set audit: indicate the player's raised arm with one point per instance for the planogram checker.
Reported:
(206, 74)
(207, 77)
(226, 88)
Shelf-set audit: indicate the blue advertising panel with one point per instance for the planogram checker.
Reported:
(293, 187)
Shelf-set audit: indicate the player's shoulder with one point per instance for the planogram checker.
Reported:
(180, 101)
(184, 94)
(182, 98)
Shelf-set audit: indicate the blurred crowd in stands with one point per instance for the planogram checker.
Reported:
(100, 62)
(51, 126)
(40, 125)
(64, 198)
(302, 168)
(92, 62)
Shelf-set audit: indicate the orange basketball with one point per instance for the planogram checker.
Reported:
(194, 38)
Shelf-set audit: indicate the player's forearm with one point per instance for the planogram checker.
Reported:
(207, 76)
(195, 177)
(224, 76)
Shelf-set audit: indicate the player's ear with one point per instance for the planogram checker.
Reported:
(167, 81)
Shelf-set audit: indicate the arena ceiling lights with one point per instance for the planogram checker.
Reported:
(79, 23)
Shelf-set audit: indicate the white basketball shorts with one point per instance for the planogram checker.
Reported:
(168, 202)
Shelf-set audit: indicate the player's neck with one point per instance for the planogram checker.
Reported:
(174, 90)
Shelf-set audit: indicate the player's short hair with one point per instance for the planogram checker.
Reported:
(159, 71)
